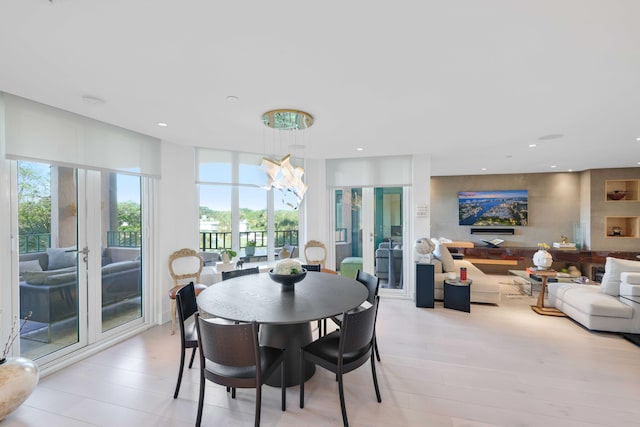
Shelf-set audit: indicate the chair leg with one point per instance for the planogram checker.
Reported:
(233, 392)
(173, 316)
(283, 386)
(193, 356)
(175, 394)
(343, 407)
(319, 328)
(375, 378)
(258, 404)
(375, 347)
(301, 378)
(200, 398)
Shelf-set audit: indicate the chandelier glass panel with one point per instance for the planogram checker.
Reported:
(288, 131)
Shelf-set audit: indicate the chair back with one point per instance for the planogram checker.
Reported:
(371, 282)
(185, 266)
(186, 303)
(311, 267)
(237, 273)
(358, 328)
(229, 344)
(315, 252)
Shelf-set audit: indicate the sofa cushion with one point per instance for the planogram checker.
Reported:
(40, 277)
(33, 265)
(442, 253)
(592, 301)
(613, 268)
(630, 278)
(61, 258)
(120, 266)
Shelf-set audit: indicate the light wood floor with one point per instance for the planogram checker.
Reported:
(497, 366)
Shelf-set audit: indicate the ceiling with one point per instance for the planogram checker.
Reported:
(472, 83)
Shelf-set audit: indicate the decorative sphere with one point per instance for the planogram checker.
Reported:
(542, 259)
(424, 246)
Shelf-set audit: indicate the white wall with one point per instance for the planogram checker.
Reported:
(316, 224)
(177, 214)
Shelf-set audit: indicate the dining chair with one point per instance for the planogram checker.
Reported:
(187, 307)
(185, 266)
(315, 252)
(231, 356)
(237, 273)
(372, 283)
(345, 350)
(316, 267)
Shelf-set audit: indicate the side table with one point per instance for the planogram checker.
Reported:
(539, 307)
(457, 295)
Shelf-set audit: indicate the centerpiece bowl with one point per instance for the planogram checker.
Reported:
(287, 279)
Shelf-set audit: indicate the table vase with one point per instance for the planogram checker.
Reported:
(542, 259)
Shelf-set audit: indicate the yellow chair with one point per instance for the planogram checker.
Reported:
(185, 266)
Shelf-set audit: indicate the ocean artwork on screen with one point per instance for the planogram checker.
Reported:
(493, 208)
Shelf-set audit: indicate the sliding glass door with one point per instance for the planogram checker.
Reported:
(370, 232)
(80, 246)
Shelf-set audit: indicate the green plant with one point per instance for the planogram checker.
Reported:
(251, 243)
(229, 252)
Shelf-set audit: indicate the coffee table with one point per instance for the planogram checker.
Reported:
(457, 295)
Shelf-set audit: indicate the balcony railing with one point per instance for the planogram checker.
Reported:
(39, 242)
(124, 239)
(213, 241)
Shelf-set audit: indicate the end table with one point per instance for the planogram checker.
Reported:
(457, 295)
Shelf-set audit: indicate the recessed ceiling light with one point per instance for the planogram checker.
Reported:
(162, 124)
(232, 98)
(532, 145)
(553, 166)
(550, 137)
(570, 170)
(92, 100)
(483, 169)
(638, 138)
(359, 149)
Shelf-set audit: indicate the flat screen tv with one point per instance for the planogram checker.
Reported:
(493, 208)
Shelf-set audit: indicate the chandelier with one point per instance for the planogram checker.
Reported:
(281, 174)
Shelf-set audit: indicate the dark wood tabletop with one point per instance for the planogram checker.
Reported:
(257, 297)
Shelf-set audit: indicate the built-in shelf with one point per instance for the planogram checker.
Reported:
(622, 190)
(619, 227)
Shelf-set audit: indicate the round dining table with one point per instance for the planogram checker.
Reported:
(284, 313)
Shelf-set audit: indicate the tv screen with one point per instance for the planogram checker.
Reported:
(491, 208)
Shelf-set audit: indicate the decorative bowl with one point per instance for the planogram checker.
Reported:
(617, 195)
(287, 279)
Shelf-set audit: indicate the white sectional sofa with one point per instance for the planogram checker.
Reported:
(484, 289)
(609, 306)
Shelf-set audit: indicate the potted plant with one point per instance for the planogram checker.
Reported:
(227, 255)
(250, 249)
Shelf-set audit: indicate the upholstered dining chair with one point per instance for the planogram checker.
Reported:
(315, 252)
(187, 307)
(237, 273)
(344, 350)
(373, 285)
(230, 355)
(185, 266)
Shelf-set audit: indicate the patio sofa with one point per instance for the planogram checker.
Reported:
(605, 307)
(48, 290)
(484, 289)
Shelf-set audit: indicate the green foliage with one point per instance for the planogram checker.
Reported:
(255, 219)
(34, 199)
(129, 218)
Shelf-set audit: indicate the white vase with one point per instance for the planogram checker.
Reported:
(18, 378)
(542, 259)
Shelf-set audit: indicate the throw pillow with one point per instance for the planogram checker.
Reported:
(61, 258)
(613, 267)
(33, 265)
(442, 253)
